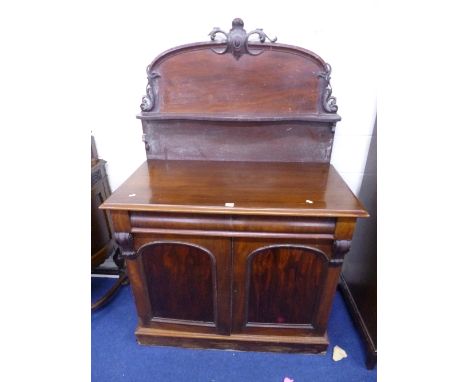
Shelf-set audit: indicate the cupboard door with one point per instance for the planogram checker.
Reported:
(278, 285)
(186, 283)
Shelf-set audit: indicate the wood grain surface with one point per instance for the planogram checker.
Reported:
(282, 284)
(261, 188)
(181, 281)
(283, 79)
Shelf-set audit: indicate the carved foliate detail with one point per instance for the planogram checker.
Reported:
(237, 40)
(125, 242)
(148, 101)
(328, 102)
(340, 249)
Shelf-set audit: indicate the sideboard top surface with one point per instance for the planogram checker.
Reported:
(258, 188)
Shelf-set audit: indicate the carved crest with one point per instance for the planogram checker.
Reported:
(328, 102)
(237, 40)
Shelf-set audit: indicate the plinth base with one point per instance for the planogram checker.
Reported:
(243, 342)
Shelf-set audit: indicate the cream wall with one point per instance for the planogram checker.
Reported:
(123, 39)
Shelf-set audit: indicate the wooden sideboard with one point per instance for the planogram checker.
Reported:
(235, 228)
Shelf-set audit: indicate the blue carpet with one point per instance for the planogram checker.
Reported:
(117, 357)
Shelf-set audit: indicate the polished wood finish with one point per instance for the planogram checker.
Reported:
(150, 222)
(270, 343)
(209, 256)
(253, 105)
(259, 188)
(281, 281)
(235, 228)
(278, 285)
(191, 79)
(187, 274)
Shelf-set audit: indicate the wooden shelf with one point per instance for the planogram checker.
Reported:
(239, 117)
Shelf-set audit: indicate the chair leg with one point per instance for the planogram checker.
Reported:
(122, 280)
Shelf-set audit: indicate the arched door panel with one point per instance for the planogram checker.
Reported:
(282, 284)
(183, 282)
(180, 280)
(278, 286)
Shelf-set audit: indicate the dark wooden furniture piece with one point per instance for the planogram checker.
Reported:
(359, 277)
(103, 244)
(102, 241)
(235, 228)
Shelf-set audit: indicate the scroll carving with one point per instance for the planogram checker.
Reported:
(340, 249)
(147, 102)
(237, 40)
(328, 102)
(125, 242)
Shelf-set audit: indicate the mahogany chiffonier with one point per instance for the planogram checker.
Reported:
(235, 228)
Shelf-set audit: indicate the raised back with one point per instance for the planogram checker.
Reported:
(238, 100)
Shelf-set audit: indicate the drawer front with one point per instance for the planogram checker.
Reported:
(233, 225)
